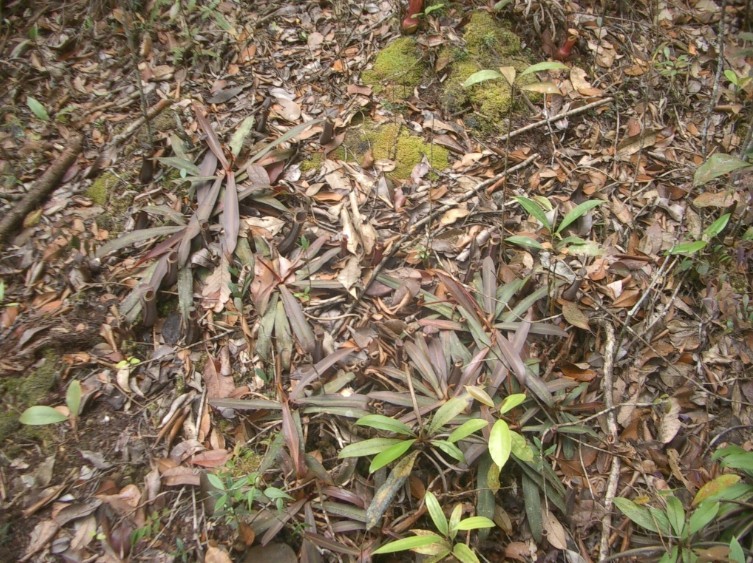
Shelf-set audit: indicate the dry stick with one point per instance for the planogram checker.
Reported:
(433, 215)
(614, 474)
(42, 187)
(717, 81)
(554, 119)
(134, 126)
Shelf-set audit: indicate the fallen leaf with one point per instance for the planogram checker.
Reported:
(574, 315)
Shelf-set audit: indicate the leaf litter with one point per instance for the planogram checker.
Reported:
(242, 291)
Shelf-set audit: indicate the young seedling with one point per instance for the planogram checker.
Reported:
(440, 545)
(40, 415)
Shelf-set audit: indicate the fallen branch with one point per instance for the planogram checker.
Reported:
(134, 126)
(614, 474)
(41, 188)
(428, 219)
(554, 119)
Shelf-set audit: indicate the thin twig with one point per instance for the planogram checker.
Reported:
(717, 80)
(614, 474)
(428, 219)
(554, 119)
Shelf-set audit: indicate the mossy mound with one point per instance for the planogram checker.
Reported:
(398, 69)
(489, 45)
(392, 142)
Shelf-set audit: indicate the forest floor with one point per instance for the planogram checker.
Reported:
(278, 281)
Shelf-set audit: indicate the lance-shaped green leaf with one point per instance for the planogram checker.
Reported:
(676, 515)
(73, 398)
(455, 515)
(481, 76)
(290, 134)
(230, 214)
(688, 248)
(511, 401)
(500, 443)
(716, 227)
(638, 514)
(702, 515)
(525, 242)
(298, 322)
(368, 447)
(532, 503)
(129, 239)
(464, 554)
(387, 491)
(520, 448)
(577, 212)
(37, 108)
(546, 65)
(475, 523)
(466, 429)
(236, 141)
(212, 140)
(381, 422)
(389, 455)
(535, 210)
(405, 544)
(450, 449)
(446, 413)
(436, 513)
(717, 165)
(41, 415)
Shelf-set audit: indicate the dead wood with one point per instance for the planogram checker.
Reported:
(41, 188)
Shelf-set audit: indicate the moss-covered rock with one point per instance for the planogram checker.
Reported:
(398, 69)
(393, 142)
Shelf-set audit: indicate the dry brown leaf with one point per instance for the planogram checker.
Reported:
(211, 458)
(452, 215)
(555, 532)
(350, 274)
(621, 211)
(574, 315)
(179, 476)
(40, 536)
(669, 423)
(216, 555)
(718, 199)
(218, 386)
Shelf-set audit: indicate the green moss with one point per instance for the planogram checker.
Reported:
(110, 191)
(311, 162)
(100, 190)
(393, 142)
(489, 45)
(398, 69)
(19, 393)
(489, 40)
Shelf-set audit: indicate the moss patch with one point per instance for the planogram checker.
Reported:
(489, 44)
(398, 69)
(19, 393)
(100, 190)
(110, 192)
(393, 142)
